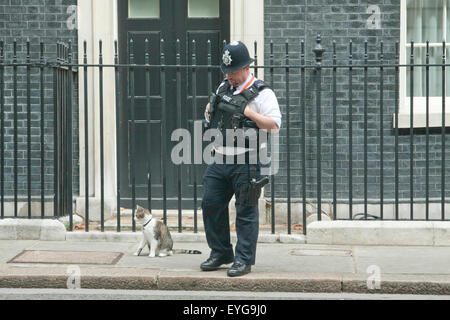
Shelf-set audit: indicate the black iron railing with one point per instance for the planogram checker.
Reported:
(23, 94)
(319, 83)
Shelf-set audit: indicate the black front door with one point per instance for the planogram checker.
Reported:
(167, 20)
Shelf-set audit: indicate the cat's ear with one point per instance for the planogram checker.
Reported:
(141, 209)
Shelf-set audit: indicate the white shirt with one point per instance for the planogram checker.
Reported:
(266, 104)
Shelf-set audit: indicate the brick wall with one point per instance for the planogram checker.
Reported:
(342, 21)
(36, 20)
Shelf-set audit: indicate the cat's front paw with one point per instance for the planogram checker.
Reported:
(151, 255)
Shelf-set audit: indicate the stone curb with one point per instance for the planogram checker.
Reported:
(177, 237)
(254, 282)
(144, 279)
(400, 233)
(398, 284)
(32, 229)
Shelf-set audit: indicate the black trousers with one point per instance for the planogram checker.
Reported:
(220, 182)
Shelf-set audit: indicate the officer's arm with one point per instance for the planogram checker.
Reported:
(263, 122)
(207, 114)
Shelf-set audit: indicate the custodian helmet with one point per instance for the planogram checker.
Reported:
(235, 56)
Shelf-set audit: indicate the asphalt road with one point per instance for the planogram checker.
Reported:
(86, 294)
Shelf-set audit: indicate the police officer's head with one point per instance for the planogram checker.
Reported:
(235, 62)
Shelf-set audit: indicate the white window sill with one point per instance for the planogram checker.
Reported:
(420, 116)
(420, 120)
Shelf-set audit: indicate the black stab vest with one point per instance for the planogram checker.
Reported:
(232, 118)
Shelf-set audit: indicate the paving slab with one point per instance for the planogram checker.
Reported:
(9, 249)
(67, 257)
(77, 246)
(285, 258)
(404, 260)
(399, 233)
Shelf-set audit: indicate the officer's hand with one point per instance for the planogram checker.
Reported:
(207, 113)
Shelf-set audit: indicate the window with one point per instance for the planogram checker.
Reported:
(139, 9)
(422, 21)
(203, 8)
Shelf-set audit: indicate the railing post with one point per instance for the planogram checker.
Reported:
(118, 113)
(411, 134)
(179, 122)
(350, 132)
(55, 136)
(334, 132)
(366, 70)
(86, 136)
(42, 123)
(381, 132)
(444, 86)
(319, 51)
(15, 139)
(272, 176)
(2, 133)
(288, 138)
(396, 139)
(69, 136)
(149, 123)
(28, 76)
(132, 133)
(162, 62)
(303, 143)
(102, 155)
(194, 116)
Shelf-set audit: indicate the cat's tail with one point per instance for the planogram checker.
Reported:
(184, 251)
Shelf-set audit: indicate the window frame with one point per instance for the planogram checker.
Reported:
(144, 17)
(419, 103)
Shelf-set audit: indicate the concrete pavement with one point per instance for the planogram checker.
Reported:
(280, 267)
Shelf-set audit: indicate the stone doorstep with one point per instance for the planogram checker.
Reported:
(177, 237)
(422, 233)
(402, 233)
(35, 229)
(54, 230)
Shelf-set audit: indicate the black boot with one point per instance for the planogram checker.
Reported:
(214, 263)
(239, 269)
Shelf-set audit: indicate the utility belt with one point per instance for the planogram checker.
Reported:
(243, 158)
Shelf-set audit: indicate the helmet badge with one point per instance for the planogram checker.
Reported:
(227, 58)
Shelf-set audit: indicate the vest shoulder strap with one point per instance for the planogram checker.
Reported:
(260, 85)
(254, 90)
(224, 88)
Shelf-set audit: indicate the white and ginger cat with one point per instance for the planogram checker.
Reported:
(156, 236)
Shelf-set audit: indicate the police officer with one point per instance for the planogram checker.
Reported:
(241, 101)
